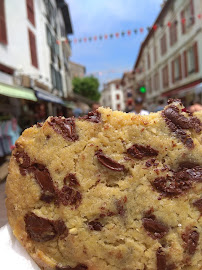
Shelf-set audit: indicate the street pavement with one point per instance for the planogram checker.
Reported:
(3, 215)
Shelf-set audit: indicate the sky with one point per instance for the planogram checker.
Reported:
(108, 59)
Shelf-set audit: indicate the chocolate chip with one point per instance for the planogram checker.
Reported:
(23, 160)
(160, 259)
(95, 225)
(108, 162)
(64, 126)
(39, 125)
(93, 116)
(155, 228)
(78, 267)
(190, 238)
(41, 230)
(151, 162)
(139, 151)
(71, 178)
(181, 181)
(172, 100)
(70, 196)
(178, 122)
(198, 204)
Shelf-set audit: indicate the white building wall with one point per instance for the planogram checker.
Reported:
(16, 54)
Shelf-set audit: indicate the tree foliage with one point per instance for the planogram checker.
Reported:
(87, 87)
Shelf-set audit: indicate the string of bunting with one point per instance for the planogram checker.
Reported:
(128, 32)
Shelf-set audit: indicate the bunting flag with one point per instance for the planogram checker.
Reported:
(129, 32)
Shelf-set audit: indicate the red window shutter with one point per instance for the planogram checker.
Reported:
(192, 11)
(185, 64)
(182, 23)
(30, 11)
(3, 34)
(32, 44)
(173, 71)
(180, 67)
(196, 57)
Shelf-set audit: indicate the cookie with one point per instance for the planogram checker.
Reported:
(110, 191)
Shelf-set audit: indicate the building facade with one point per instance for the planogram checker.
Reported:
(128, 82)
(77, 70)
(112, 95)
(34, 49)
(169, 63)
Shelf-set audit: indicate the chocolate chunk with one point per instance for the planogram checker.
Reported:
(71, 178)
(64, 126)
(95, 225)
(41, 230)
(156, 229)
(160, 259)
(41, 175)
(39, 125)
(198, 204)
(151, 162)
(43, 178)
(178, 122)
(139, 151)
(70, 196)
(78, 267)
(191, 238)
(23, 160)
(93, 116)
(181, 181)
(171, 100)
(108, 162)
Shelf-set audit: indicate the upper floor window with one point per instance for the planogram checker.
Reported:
(117, 86)
(187, 16)
(148, 60)
(156, 81)
(173, 33)
(3, 34)
(118, 106)
(192, 55)
(30, 11)
(117, 96)
(33, 51)
(155, 54)
(165, 76)
(176, 69)
(163, 44)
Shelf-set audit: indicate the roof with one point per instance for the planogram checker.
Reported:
(114, 81)
(128, 74)
(66, 15)
(150, 33)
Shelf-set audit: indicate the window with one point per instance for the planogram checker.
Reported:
(32, 44)
(3, 35)
(148, 60)
(187, 16)
(117, 96)
(30, 11)
(118, 106)
(155, 54)
(177, 69)
(117, 86)
(149, 85)
(173, 33)
(56, 79)
(163, 45)
(165, 76)
(156, 81)
(192, 59)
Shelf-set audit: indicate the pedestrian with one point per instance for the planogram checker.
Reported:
(139, 107)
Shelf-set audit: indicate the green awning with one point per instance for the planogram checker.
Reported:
(17, 92)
